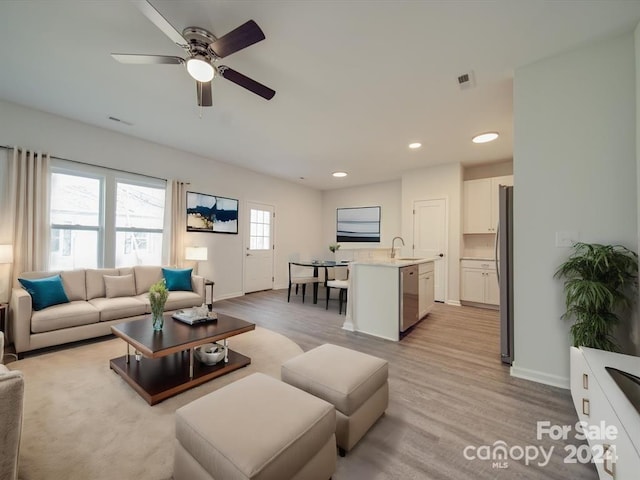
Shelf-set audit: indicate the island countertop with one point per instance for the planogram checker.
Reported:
(395, 262)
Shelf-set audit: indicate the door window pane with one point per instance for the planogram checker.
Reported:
(259, 230)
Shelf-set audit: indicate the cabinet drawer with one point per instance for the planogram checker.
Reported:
(481, 264)
(425, 267)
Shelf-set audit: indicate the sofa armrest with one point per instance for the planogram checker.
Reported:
(197, 283)
(20, 309)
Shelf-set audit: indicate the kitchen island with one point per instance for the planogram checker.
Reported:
(388, 296)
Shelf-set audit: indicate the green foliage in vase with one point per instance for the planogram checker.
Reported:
(334, 247)
(600, 281)
(158, 295)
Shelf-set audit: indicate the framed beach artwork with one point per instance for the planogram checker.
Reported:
(361, 224)
(210, 213)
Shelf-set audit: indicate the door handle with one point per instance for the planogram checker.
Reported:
(248, 254)
(441, 255)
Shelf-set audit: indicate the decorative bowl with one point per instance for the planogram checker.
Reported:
(210, 353)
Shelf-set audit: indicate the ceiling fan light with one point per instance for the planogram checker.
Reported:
(200, 69)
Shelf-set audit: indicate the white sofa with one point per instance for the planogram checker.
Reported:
(90, 312)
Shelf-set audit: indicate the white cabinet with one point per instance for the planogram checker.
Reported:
(606, 412)
(480, 204)
(425, 288)
(479, 282)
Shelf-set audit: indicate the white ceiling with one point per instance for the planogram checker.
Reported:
(356, 80)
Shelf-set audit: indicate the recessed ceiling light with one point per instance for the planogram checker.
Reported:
(415, 145)
(339, 174)
(485, 137)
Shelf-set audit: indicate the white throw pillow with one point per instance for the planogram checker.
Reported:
(119, 286)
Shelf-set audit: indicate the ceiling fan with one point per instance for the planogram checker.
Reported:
(203, 52)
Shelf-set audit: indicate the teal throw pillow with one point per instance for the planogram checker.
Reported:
(178, 278)
(45, 291)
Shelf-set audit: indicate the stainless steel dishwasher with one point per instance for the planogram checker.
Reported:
(408, 296)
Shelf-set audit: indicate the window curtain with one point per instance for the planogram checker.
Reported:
(178, 222)
(29, 204)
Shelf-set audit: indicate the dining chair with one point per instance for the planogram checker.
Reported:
(299, 275)
(341, 282)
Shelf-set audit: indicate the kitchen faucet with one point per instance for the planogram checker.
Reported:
(393, 251)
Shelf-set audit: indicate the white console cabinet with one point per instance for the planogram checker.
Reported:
(479, 282)
(603, 406)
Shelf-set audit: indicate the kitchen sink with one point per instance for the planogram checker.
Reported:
(405, 259)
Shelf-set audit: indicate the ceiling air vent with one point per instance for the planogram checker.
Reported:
(466, 80)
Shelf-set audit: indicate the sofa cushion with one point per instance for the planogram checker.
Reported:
(66, 315)
(95, 281)
(45, 292)
(116, 308)
(180, 299)
(146, 275)
(119, 286)
(178, 279)
(74, 283)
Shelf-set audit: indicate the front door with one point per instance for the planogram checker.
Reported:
(259, 245)
(430, 239)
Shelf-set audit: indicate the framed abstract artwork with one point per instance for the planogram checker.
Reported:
(210, 213)
(360, 224)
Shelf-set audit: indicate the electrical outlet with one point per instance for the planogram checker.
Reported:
(567, 238)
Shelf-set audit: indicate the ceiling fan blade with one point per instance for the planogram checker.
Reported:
(243, 36)
(159, 21)
(246, 82)
(205, 98)
(147, 59)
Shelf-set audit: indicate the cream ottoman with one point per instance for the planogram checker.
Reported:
(255, 428)
(356, 383)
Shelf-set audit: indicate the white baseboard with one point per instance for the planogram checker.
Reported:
(229, 295)
(455, 303)
(540, 377)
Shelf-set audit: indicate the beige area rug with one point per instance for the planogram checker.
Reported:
(82, 421)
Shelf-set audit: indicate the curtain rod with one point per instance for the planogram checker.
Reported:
(93, 165)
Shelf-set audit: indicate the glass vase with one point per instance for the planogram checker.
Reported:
(158, 321)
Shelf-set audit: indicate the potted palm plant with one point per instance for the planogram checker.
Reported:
(599, 283)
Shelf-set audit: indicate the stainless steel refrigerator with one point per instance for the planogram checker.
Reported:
(504, 270)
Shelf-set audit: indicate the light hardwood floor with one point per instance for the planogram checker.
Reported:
(448, 390)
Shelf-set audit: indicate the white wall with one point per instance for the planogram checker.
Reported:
(575, 170)
(444, 181)
(387, 195)
(297, 208)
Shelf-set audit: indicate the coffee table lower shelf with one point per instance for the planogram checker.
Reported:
(156, 379)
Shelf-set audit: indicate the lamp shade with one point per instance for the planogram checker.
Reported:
(196, 253)
(6, 253)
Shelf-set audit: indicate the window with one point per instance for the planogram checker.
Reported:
(139, 220)
(76, 221)
(99, 219)
(260, 234)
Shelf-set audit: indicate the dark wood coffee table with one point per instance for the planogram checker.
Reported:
(163, 364)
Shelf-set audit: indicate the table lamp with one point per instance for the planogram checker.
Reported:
(197, 254)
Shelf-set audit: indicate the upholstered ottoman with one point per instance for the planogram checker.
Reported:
(356, 383)
(255, 428)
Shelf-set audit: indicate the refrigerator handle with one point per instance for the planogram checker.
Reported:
(495, 248)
